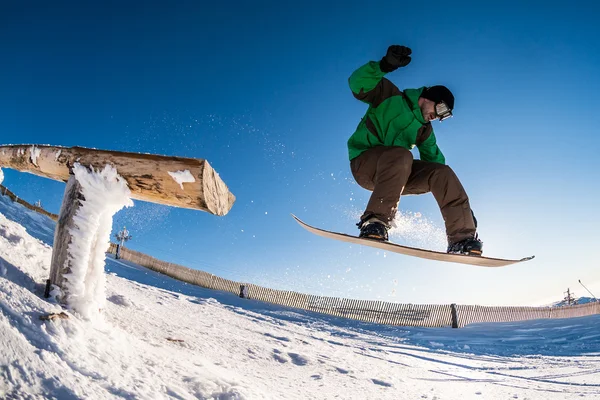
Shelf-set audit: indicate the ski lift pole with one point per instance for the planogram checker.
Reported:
(122, 236)
(588, 290)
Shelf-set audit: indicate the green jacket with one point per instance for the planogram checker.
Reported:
(393, 118)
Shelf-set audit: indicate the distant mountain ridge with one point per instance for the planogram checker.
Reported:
(579, 300)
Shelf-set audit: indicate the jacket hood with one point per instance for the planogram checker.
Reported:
(413, 95)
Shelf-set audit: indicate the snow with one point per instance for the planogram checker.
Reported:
(158, 338)
(105, 193)
(34, 153)
(182, 177)
(1, 176)
(413, 229)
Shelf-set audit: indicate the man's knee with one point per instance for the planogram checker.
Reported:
(363, 173)
(364, 181)
(398, 157)
(444, 172)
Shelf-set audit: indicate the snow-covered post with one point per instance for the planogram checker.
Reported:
(82, 237)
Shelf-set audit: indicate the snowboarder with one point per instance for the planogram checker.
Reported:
(381, 160)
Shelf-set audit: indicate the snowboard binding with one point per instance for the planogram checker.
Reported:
(470, 246)
(373, 228)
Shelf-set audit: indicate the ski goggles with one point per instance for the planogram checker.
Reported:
(442, 111)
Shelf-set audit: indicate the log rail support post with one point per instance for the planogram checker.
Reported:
(60, 264)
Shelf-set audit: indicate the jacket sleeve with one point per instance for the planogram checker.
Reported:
(368, 84)
(429, 151)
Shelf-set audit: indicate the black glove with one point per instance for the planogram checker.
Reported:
(396, 57)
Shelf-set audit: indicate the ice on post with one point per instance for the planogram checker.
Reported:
(91, 200)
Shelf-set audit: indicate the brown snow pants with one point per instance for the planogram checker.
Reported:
(390, 172)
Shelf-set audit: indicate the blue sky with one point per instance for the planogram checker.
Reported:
(260, 90)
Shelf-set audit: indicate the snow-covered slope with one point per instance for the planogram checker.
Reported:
(39, 226)
(161, 339)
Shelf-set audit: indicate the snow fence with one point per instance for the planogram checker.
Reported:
(375, 311)
(5, 192)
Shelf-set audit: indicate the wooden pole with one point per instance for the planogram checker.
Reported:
(454, 315)
(60, 264)
(174, 181)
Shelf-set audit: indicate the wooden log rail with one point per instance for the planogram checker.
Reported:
(150, 177)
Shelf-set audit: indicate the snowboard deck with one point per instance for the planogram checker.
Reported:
(479, 261)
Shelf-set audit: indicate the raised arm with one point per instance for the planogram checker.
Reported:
(367, 82)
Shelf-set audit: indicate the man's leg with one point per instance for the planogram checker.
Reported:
(449, 193)
(385, 171)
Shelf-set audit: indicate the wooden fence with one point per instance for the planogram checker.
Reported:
(5, 192)
(424, 315)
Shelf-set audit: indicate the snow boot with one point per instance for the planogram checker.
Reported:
(470, 246)
(373, 228)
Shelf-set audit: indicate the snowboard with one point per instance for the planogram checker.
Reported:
(479, 261)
